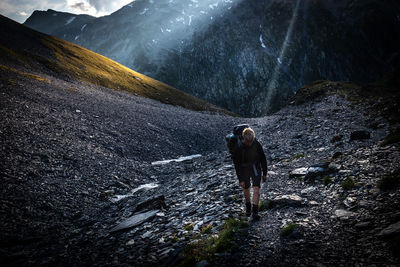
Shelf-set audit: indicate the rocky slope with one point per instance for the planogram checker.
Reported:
(81, 183)
(232, 53)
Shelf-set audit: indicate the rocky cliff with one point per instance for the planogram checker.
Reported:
(247, 56)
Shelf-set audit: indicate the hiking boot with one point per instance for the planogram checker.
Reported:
(255, 212)
(248, 209)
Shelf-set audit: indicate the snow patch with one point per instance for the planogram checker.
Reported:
(261, 41)
(54, 14)
(180, 159)
(190, 19)
(168, 30)
(83, 27)
(144, 11)
(71, 19)
(143, 186)
(76, 37)
(279, 60)
(151, 1)
(215, 5)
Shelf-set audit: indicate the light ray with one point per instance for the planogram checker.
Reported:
(272, 86)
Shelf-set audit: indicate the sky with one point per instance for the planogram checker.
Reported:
(20, 10)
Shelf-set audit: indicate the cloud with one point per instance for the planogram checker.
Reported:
(107, 5)
(80, 6)
(19, 10)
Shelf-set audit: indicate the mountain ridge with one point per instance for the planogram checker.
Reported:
(257, 52)
(56, 56)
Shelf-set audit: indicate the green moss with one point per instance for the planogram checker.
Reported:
(206, 248)
(288, 229)
(389, 182)
(392, 137)
(348, 183)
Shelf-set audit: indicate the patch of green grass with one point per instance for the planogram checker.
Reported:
(392, 137)
(390, 181)
(298, 155)
(262, 206)
(188, 227)
(348, 183)
(205, 249)
(206, 229)
(288, 229)
(174, 238)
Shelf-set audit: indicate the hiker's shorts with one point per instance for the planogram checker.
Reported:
(254, 175)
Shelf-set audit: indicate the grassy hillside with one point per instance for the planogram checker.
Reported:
(381, 98)
(27, 51)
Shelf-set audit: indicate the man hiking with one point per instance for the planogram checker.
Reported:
(249, 159)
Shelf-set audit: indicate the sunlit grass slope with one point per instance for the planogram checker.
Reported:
(28, 48)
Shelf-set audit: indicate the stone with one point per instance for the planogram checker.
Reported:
(318, 169)
(134, 220)
(147, 234)
(202, 263)
(391, 230)
(298, 172)
(286, 200)
(156, 202)
(360, 135)
(344, 214)
(308, 190)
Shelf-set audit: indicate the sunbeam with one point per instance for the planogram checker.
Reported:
(271, 88)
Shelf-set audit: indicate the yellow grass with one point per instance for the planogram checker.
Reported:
(25, 74)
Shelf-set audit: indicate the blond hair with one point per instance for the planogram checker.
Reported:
(248, 134)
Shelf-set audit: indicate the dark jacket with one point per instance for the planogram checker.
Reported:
(250, 160)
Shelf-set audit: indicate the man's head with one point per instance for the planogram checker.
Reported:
(248, 136)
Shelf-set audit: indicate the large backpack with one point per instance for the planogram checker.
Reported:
(234, 139)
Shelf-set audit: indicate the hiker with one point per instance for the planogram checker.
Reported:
(249, 159)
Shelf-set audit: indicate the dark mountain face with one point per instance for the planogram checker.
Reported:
(247, 56)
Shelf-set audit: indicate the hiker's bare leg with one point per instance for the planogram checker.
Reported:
(256, 195)
(247, 194)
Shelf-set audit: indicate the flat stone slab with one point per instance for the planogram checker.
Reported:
(135, 220)
(298, 172)
(344, 214)
(391, 230)
(287, 200)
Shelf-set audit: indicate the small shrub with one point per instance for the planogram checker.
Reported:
(205, 248)
(348, 183)
(188, 227)
(206, 229)
(174, 238)
(389, 182)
